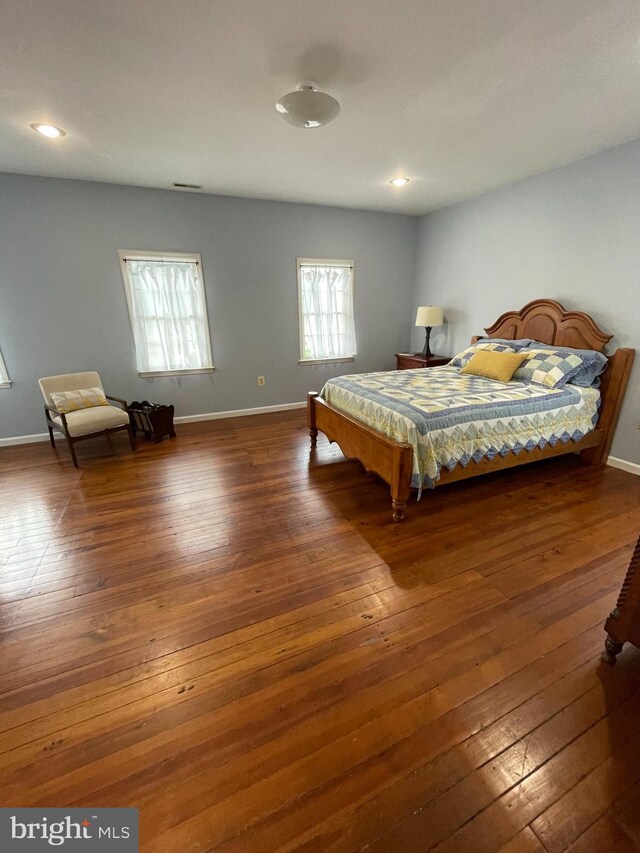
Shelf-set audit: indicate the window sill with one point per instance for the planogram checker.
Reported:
(5, 384)
(194, 372)
(325, 360)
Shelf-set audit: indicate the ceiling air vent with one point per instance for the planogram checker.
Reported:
(187, 186)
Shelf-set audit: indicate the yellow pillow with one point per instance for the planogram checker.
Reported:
(72, 401)
(494, 365)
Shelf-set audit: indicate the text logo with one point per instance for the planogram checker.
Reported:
(73, 830)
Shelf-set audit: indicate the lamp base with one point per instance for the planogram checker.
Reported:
(426, 350)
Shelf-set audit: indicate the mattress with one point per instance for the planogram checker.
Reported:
(452, 419)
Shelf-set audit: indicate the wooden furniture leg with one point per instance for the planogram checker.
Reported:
(623, 623)
(311, 419)
(612, 649)
(72, 450)
(401, 479)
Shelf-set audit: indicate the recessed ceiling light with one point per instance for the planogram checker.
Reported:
(399, 182)
(49, 130)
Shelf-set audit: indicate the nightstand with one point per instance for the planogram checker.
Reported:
(409, 361)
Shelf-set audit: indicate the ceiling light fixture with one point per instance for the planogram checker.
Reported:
(399, 182)
(307, 107)
(49, 130)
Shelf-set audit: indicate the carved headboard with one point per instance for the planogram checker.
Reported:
(547, 321)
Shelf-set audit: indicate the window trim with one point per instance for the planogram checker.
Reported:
(189, 371)
(189, 257)
(4, 383)
(330, 360)
(329, 262)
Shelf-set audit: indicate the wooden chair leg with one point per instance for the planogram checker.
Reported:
(72, 450)
(46, 417)
(132, 440)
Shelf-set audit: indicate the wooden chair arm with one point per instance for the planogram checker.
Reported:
(54, 411)
(122, 402)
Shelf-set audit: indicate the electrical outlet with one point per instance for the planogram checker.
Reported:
(260, 380)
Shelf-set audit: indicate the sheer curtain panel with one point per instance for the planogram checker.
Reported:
(325, 302)
(168, 313)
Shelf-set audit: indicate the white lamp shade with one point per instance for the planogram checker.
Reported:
(429, 315)
(307, 107)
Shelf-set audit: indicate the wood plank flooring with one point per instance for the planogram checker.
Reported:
(230, 634)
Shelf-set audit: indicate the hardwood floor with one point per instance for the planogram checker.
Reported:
(243, 645)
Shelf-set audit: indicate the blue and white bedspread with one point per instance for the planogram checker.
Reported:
(452, 419)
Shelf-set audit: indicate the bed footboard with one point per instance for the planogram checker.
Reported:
(389, 459)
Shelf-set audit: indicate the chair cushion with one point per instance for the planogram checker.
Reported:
(83, 398)
(86, 421)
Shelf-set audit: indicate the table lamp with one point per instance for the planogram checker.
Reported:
(428, 316)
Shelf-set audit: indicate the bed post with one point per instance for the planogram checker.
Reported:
(614, 384)
(401, 479)
(311, 417)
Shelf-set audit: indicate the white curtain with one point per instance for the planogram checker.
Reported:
(326, 304)
(4, 376)
(169, 315)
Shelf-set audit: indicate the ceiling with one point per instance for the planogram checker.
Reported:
(462, 96)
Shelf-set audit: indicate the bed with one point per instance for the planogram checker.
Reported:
(430, 427)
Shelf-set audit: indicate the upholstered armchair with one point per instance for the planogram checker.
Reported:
(75, 405)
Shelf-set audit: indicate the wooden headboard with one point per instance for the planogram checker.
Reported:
(547, 321)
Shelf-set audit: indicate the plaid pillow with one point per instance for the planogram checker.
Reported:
(593, 363)
(463, 357)
(552, 370)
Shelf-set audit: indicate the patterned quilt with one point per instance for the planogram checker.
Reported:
(453, 419)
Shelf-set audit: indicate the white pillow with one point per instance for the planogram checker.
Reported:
(72, 401)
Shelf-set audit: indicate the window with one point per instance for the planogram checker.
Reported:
(165, 295)
(5, 382)
(325, 309)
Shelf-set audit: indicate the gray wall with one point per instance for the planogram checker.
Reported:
(62, 303)
(572, 234)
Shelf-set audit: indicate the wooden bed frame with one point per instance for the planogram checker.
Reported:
(542, 320)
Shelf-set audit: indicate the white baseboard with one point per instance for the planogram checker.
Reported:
(238, 413)
(185, 419)
(24, 439)
(631, 467)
